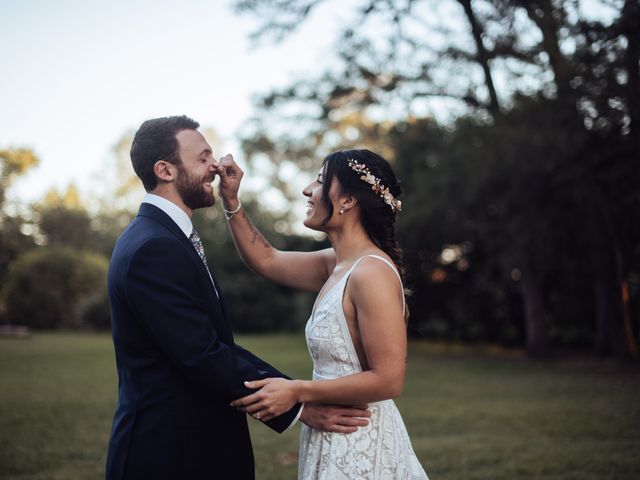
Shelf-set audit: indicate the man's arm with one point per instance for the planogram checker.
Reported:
(335, 418)
(328, 418)
(265, 370)
(168, 300)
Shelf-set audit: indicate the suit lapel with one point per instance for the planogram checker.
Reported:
(151, 211)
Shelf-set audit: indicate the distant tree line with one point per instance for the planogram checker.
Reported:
(54, 257)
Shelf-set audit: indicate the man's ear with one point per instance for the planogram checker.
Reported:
(165, 171)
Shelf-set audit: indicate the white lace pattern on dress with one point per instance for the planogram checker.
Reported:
(380, 451)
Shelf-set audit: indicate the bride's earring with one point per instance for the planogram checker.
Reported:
(341, 210)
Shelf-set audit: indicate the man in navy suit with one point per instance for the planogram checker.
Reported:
(178, 364)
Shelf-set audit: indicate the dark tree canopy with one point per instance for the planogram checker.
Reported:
(515, 127)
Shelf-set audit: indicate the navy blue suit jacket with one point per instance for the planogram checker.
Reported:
(178, 364)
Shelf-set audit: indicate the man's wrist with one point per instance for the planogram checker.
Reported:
(297, 417)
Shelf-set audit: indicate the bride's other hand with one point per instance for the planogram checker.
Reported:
(274, 397)
(230, 177)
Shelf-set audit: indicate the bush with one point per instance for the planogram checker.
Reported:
(54, 287)
(93, 311)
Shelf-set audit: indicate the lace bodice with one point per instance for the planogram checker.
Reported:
(380, 451)
(329, 340)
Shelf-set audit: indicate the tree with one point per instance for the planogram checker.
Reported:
(13, 239)
(53, 287)
(63, 220)
(547, 92)
(13, 242)
(13, 163)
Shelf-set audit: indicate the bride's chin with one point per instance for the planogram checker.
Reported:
(307, 222)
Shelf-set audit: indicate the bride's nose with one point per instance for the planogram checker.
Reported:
(307, 191)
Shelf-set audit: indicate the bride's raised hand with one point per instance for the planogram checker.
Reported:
(230, 177)
(274, 397)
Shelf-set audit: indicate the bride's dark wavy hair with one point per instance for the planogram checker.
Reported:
(378, 219)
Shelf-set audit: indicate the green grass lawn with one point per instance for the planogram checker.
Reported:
(470, 415)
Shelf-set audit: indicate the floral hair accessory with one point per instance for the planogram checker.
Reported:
(376, 185)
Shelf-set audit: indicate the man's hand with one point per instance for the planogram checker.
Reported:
(335, 418)
(230, 177)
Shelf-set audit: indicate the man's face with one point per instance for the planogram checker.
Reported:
(196, 172)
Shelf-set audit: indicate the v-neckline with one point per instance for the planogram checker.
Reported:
(324, 294)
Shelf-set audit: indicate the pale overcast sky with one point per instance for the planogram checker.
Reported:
(78, 74)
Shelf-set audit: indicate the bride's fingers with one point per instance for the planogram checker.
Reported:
(256, 383)
(259, 413)
(228, 167)
(244, 401)
(263, 415)
(255, 408)
(225, 161)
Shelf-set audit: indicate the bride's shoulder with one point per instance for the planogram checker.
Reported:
(374, 270)
(374, 287)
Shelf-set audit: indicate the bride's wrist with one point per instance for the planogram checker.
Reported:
(230, 204)
(230, 208)
(302, 393)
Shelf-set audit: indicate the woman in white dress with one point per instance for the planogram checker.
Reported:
(357, 332)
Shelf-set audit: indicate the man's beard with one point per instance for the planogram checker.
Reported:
(191, 190)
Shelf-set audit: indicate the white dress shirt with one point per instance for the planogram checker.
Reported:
(179, 217)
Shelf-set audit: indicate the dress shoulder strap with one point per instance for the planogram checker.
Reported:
(391, 266)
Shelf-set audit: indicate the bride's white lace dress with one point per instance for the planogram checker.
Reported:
(382, 450)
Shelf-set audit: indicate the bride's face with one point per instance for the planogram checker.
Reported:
(316, 208)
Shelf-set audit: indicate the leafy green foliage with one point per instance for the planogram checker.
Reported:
(13, 163)
(66, 226)
(54, 287)
(13, 242)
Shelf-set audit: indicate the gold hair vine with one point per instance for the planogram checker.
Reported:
(376, 185)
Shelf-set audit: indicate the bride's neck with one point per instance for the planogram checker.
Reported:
(350, 242)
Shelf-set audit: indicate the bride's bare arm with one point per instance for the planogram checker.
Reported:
(302, 270)
(375, 292)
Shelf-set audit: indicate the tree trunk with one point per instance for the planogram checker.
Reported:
(541, 13)
(614, 332)
(538, 342)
